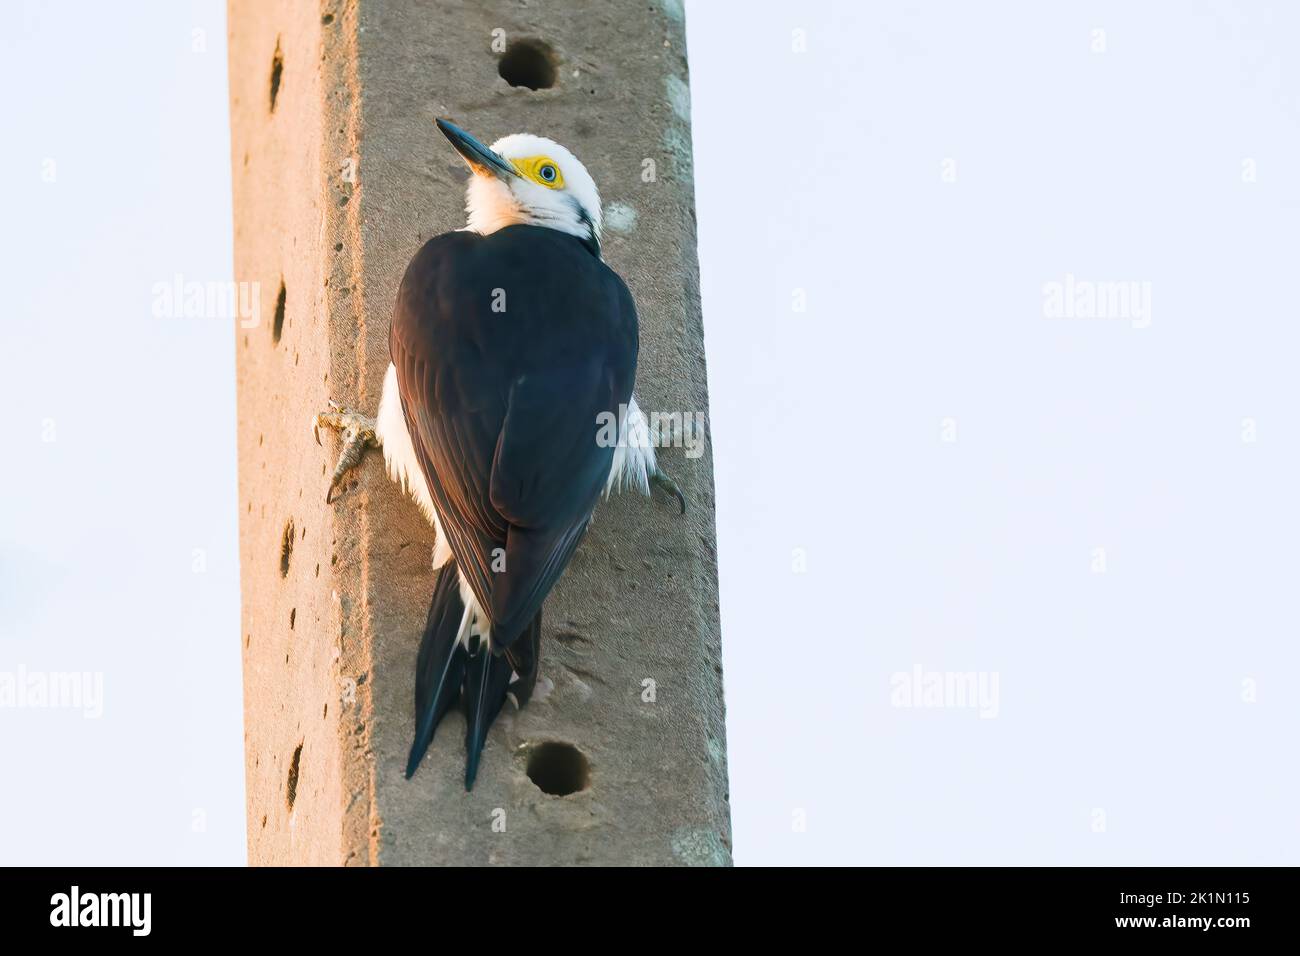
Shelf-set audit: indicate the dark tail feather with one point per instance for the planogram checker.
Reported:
(440, 665)
(487, 678)
(523, 656)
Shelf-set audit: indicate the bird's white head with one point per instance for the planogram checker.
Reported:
(529, 179)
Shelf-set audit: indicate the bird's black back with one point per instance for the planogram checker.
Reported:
(503, 406)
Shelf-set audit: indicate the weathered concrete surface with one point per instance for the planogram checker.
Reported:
(290, 622)
(342, 184)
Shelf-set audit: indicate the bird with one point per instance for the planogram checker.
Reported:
(507, 413)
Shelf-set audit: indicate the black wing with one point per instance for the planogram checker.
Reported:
(508, 349)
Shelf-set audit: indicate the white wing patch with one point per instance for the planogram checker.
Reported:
(634, 456)
(474, 621)
(400, 461)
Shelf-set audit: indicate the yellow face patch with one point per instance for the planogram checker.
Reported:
(541, 170)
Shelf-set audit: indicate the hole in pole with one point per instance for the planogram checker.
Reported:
(277, 71)
(277, 324)
(558, 768)
(528, 62)
(286, 548)
(291, 785)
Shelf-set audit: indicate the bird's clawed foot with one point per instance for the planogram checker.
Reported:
(661, 480)
(668, 433)
(358, 435)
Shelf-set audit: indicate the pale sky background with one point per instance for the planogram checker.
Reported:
(1099, 516)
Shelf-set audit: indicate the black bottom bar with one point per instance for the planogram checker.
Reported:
(336, 906)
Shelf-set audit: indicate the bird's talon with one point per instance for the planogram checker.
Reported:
(357, 433)
(661, 479)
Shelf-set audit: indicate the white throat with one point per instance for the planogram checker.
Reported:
(491, 205)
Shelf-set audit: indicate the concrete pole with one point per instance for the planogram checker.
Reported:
(339, 176)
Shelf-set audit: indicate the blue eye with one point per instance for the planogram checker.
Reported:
(547, 172)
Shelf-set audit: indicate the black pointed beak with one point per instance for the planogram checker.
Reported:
(482, 160)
